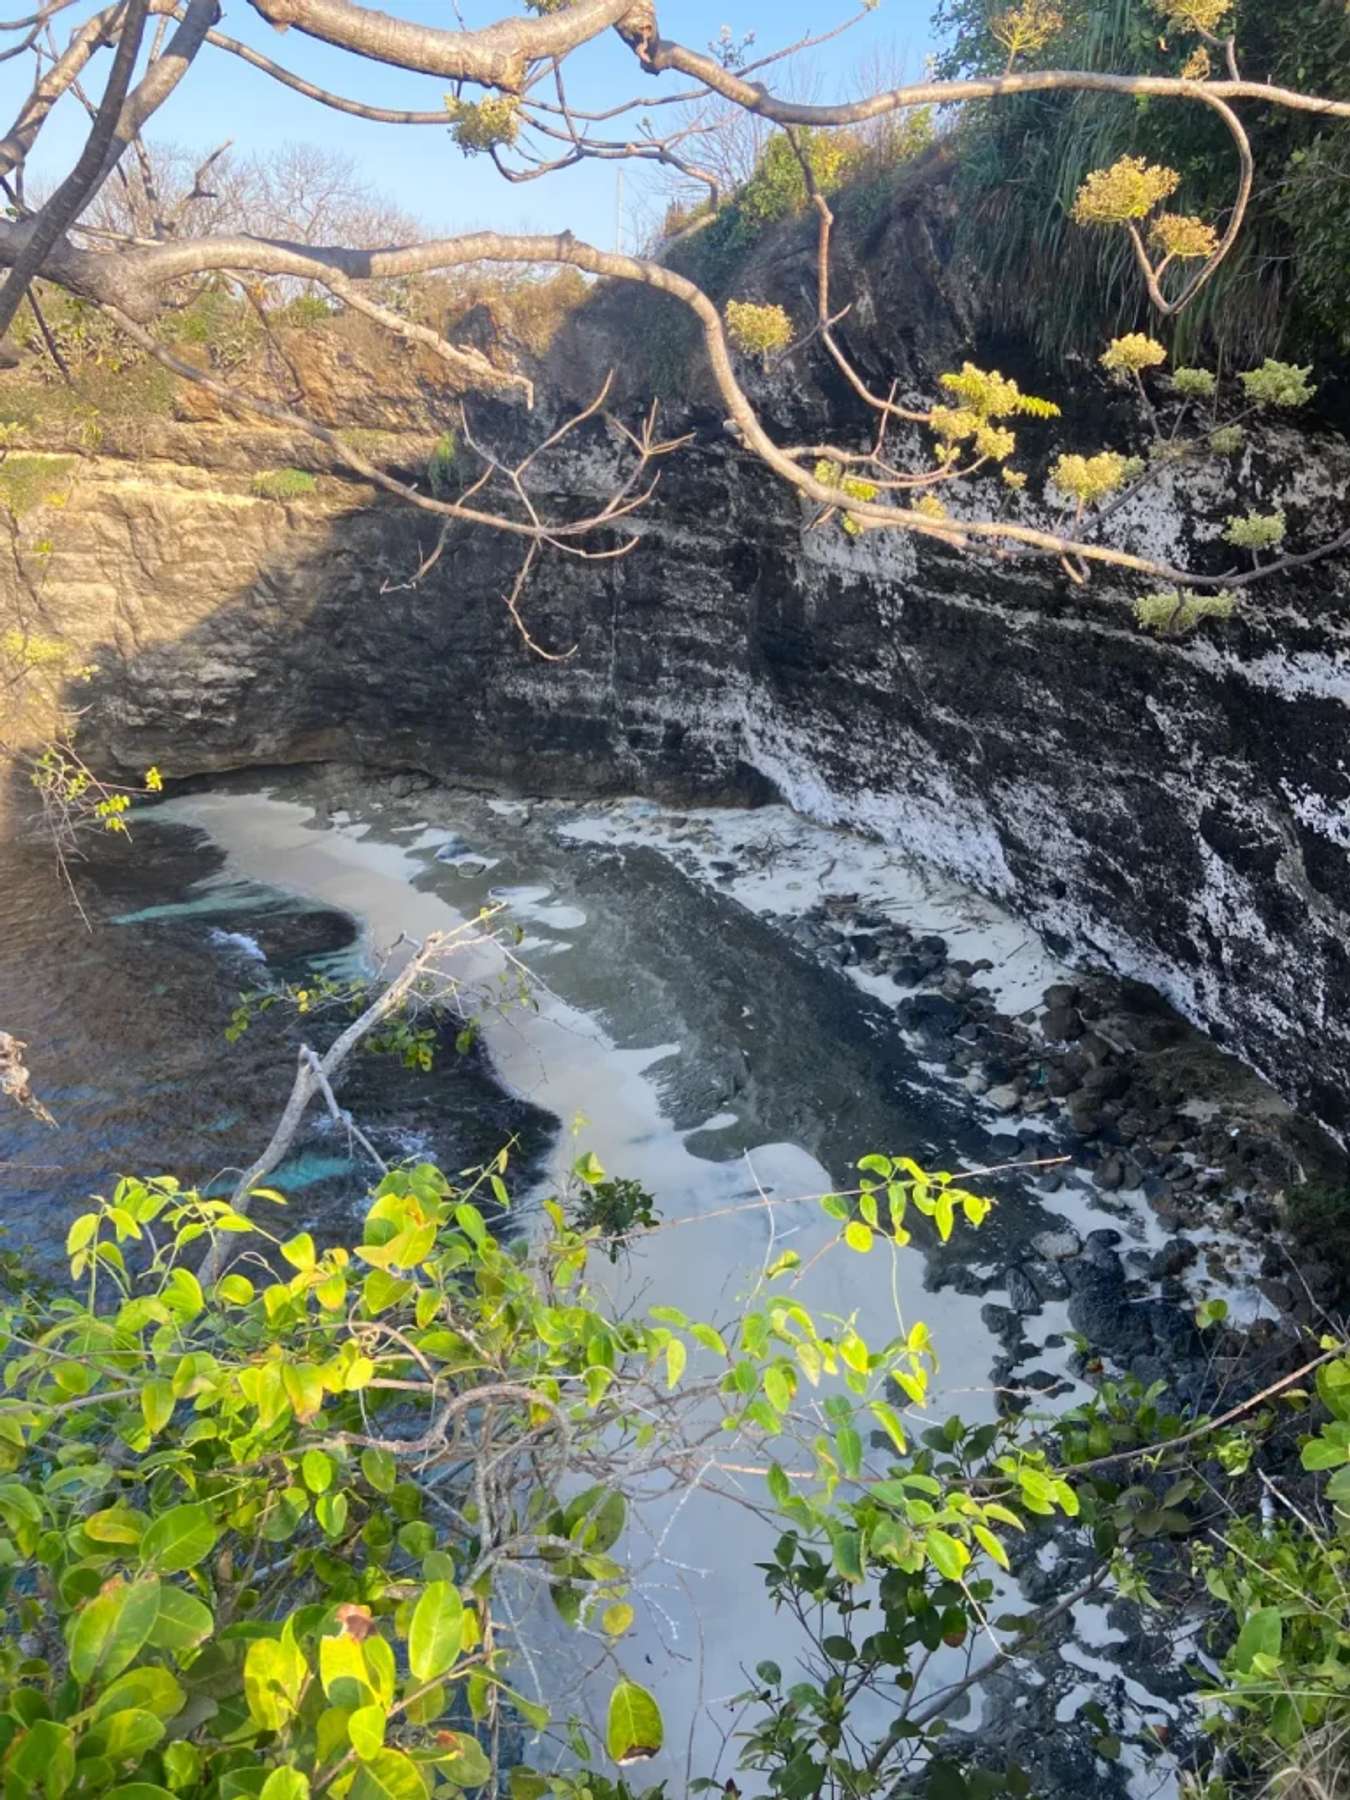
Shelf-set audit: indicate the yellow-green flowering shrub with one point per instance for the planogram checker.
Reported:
(1131, 354)
(1090, 478)
(1129, 189)
(1183, 236)
(758, 330)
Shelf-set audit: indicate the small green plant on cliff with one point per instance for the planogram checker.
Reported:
(441, 464)
(1256, 531)
(1174, 613)
(283, 484)
(31, 481)
(758, 330)
(1278, 384)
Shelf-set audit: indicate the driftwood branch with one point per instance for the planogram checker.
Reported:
(15, 1082)
(317, 1075)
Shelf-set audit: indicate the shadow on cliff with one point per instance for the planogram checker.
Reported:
(329, 654)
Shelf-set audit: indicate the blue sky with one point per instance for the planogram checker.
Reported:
(418, 166)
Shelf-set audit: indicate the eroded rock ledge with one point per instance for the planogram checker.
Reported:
(1179, 812)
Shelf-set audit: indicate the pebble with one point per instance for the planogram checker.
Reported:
(1057, 1246)
(1005, 1098)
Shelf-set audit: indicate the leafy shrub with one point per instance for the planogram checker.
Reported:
(777, 187)
(283, 484)
(305, 312)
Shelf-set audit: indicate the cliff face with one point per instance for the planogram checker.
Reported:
(1179, 811)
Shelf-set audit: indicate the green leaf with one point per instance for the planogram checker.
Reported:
(850, 1451)
(633, 1729)
(331, 1512)
(858, 1236)
(41, 1763)
(130, 1733)
(156, 1405)
(890, 1421)
(847, 1546)
(945, 1782)
(275, 1673)
(179, 1539)
(140, 1790)
(986, 1538)
(1261, 1635)
(948, 1555)
(389, 1776)
(149, 1688)
(366, 1731)
(776, 1389)
(380, 1470)
(435, 1632)
(182, 1623)
(299, 1252)
(317, 1469)
(347, 1680)
(617, 1618)
(115, 1525)
(461, 1758)
(1321, 1453)
(110, 1629)
(285, 1784)
(676, 1357)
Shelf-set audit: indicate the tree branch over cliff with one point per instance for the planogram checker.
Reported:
(883, 485)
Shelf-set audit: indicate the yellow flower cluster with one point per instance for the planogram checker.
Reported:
(1196, 66)
(993, 396)
(1090, 478)
(1128, 355)
(758, 330)
(478, 125)
(1129, 189)
(953, 423)
(1193, 15)
(1025, 29)
(1182, 235)
(985, 396)
(995, 441)
(931, 507)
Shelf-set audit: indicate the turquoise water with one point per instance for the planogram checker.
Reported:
(125, 1024)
